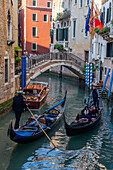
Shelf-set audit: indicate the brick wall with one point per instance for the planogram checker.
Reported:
(7, 90)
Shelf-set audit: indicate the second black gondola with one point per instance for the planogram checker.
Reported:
(83, 124)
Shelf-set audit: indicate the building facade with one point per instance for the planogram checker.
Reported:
(35, 23)
(8, 39)
(69, 28)
(102, 53)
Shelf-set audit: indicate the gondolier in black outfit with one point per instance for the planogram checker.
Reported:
(95, 96)
(18, 106)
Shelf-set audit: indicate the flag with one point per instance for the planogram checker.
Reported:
(87, 21)
(94, 13)
(98, 24)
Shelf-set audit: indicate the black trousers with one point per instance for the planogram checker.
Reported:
(96, 102)
(17, 115)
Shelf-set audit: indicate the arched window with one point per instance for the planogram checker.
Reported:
(9, 26)
(108, 17)
(110, 12)
(103, 16)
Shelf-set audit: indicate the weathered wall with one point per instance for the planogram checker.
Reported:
(7, 90)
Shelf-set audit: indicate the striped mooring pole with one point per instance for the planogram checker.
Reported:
(90, 76)
(87, 74)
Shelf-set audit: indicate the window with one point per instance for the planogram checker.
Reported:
(74, 28)
(45, 18)
(67, 23)
(50, 18)
(75, 1)
(98, 49)
(63, 4)
(81, 3)
(69, 4)
(66, 34)
(61, 24)
(108, 17)
(87, 2)
(34, 17)
(34, 3)
(6, 70)
(86, 33)
(64, 24)
(9, 26)
(110, 49)
(49, 4)
(34, 46)
(34, 31)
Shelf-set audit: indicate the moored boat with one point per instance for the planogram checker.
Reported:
(84, 124)
(35, 94)
(30, 131)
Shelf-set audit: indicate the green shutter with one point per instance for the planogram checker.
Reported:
(61, 34)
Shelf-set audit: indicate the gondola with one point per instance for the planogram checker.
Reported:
(30, 131)
(83, 124)
(35, 94)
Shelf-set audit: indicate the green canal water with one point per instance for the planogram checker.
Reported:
(92, 150)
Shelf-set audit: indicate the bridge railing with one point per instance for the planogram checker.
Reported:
(39, 59)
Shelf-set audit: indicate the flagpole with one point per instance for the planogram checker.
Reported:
(90, 39)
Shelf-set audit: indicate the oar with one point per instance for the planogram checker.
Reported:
(41, 128)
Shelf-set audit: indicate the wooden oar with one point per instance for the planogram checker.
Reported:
(41, 128)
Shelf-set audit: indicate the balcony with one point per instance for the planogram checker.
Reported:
(106, 33)
(65, 15)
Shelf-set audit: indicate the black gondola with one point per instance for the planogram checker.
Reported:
(83, 125)
(30, 131)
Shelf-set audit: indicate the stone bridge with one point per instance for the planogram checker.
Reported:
(38, 64)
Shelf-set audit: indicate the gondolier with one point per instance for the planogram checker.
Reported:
(18, 106)
(95, 96)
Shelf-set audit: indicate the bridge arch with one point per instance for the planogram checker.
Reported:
(41, 63)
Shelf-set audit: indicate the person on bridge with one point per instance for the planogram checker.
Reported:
(18, 106)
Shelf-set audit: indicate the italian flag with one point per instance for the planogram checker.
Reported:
(98, 24)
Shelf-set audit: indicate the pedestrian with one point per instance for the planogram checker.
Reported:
(18, 106)
(95, 96)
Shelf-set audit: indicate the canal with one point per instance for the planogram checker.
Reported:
(91, 150)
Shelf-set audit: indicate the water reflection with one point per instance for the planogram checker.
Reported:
(91, 150)
(79, 141)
